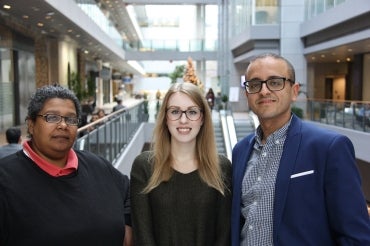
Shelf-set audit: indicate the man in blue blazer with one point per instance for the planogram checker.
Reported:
(293, 183)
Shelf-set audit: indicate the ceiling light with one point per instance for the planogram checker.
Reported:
(348, 59)
(40, 24)
(5, 6)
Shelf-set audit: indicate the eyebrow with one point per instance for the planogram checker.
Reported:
(271, 77)
(195, 106)
(58, 113)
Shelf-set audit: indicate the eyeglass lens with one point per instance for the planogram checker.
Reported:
(175, 113)
(54, 118)
(274, 84)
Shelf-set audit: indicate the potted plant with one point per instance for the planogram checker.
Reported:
(224, 100)
(297, 111)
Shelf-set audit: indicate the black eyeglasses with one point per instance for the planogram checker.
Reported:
(273, 84)
(175, 113)
(54, 118)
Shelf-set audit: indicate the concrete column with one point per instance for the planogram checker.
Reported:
(291, 46)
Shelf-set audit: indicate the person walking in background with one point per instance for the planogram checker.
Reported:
(210, 96)
(180, 190)
(293, 183)
(14, 139)
(51, 194)
(118, 106)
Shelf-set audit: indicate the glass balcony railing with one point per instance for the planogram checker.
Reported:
(191, 45)
(348, 114)
(109, 136)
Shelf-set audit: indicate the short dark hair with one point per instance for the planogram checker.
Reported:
(13, 134)
(47, 92)
(291, 70)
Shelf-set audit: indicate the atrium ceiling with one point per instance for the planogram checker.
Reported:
(130, 18)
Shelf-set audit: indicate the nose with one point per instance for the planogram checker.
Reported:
(264, 88)
(63, 123)
(183, 117)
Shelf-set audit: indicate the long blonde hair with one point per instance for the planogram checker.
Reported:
(206, 152)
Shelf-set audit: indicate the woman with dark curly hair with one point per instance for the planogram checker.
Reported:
(51, 194)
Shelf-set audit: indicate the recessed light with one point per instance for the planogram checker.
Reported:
(40, 24)
(6, 6)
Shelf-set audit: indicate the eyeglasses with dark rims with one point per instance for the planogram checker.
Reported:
(55, 118)
(175, 113)
(273, 84)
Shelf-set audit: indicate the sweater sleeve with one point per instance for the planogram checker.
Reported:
(224, 213)
(141, 211)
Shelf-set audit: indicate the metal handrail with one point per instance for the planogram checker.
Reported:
(109, 136)
(226, 135)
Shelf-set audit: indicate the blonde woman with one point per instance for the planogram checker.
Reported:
(180, 190)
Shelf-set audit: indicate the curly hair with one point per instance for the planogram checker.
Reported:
(47, 92)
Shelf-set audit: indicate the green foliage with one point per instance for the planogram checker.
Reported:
(82, 90)
(224, 98)
(91, 87)
(297, 111)
(74, 84)
(177, 73)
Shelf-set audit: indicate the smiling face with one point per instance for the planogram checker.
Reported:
(271, 106)
(183, 130)
(52, 141)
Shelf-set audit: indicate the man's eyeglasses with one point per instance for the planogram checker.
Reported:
(54, 118)
(273, 84)
(175, 113)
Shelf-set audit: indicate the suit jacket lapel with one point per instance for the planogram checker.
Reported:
(287, 164)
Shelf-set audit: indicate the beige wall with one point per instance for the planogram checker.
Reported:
(67, 54)
(323, 71)
(339, 88)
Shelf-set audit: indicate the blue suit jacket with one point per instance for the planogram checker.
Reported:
(324, 205)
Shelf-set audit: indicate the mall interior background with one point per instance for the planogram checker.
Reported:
(138, 43)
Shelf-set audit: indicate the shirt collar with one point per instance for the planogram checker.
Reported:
(53, 170)
(275, 137)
